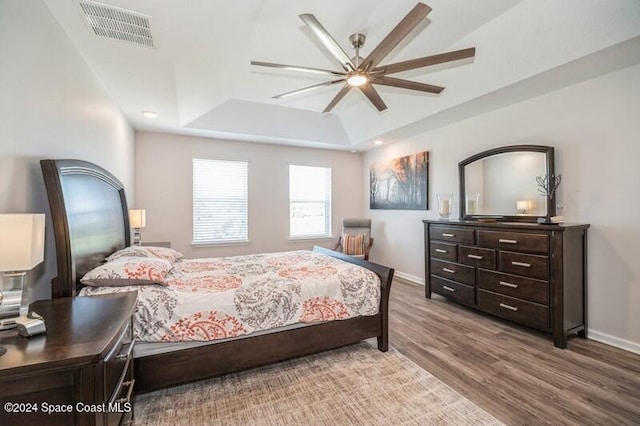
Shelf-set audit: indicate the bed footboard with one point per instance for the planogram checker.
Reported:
(386, 277)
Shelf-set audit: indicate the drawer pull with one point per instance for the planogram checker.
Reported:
(511, 308)
(448, 235)
(506, 284)
(446, 287)
(503, 240)
(474, 256)
(441, 251)
(524, 265)
(451, 271)
(127, 398)
(126, 355)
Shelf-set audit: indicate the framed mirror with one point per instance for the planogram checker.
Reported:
(500, 184)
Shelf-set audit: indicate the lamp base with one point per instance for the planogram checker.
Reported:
(137, 237)
(7, 324)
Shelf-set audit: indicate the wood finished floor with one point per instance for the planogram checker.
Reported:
(512, 372)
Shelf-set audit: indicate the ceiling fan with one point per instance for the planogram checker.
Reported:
(364, 73)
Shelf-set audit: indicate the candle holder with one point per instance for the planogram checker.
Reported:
(471, 203)
(444, 205)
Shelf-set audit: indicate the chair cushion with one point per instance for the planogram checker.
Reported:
(353, 244)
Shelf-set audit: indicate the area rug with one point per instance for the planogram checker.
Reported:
(354, 385)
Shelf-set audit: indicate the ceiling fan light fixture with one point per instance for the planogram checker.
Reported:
(367, 73)
(357, 79)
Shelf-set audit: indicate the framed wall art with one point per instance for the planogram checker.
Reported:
(400, 184)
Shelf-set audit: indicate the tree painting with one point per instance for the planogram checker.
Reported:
(400, 184)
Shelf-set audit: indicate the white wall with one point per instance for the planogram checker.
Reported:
(595, 129)
(51, 106)
(164, 189)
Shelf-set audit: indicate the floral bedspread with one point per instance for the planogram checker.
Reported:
(217, 298)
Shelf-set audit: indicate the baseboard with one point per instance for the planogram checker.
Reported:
(408, 277)
(614, 341)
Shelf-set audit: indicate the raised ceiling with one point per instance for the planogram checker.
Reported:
(198, 76)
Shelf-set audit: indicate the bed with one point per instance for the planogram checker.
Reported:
(90, 222)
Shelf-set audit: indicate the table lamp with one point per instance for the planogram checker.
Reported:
(137, 220)
(522, 206)
(21, 249)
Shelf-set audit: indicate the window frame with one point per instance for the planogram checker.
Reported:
(241, 240)
(328, 208)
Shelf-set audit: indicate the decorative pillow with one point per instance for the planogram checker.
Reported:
(353, 244)
(165, 253)
(125, 271)
(147, 251)
(133, 251)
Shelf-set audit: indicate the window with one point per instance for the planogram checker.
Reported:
(309, 201)
(219, 201)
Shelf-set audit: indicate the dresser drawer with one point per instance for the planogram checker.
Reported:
(453, 234)
(453, 290)
(529, 265)
(454, 271)
(537, 243)
(523, 312)
(444, 251)
(475, 256)
(514, 286)
(117, 362)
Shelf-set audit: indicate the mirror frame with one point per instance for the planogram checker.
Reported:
(551, 202)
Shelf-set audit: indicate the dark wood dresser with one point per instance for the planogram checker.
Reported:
(80, 372)
(532, 274)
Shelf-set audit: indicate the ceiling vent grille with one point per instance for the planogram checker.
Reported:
(117, 24)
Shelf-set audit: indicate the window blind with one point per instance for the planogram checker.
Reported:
(309, 201)
(220, 201)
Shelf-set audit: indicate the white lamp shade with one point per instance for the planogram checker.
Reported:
(21, 241)
(522, 205)
(137, 218)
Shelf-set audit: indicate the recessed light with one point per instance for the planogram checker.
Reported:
(150, 114)
(378, 142)
(354, 150)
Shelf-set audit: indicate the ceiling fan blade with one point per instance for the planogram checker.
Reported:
(427, 61)
(371, 93)
(307, 89)
(404, 27)
(345, 89)
(297, 68)
(407, 84)
(327, 41)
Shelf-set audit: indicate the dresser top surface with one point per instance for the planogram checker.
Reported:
(511, 225)
(79, 330)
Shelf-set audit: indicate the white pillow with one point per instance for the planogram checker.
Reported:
(126, 271)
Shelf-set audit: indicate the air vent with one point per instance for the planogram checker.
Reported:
(117, 24)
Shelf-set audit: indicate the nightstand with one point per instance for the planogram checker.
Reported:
(158, 244)
(82, 367)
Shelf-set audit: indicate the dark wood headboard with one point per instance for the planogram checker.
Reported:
(90, 218)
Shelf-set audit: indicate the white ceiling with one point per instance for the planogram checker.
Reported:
(199, 79)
